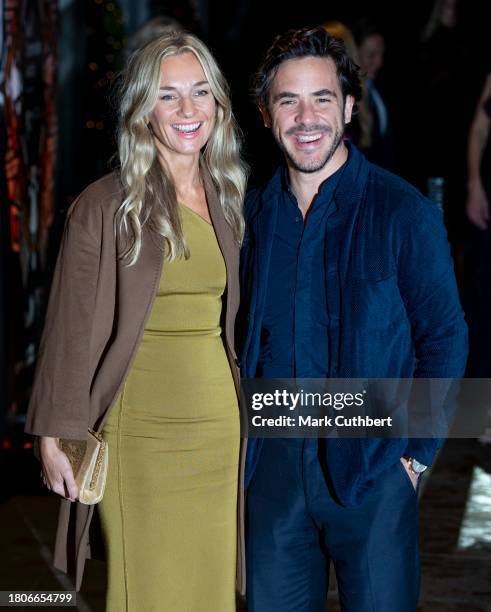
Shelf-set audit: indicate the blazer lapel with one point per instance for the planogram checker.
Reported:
(263, 230)
(230, 251)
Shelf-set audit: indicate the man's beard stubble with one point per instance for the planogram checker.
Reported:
(315, 164)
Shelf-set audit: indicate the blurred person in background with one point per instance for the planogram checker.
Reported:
(359, 130)
(478, 182)
(478, 253)
(371, 50)
(443, 15)
(436, 111)
(153, 28)
(134, 347)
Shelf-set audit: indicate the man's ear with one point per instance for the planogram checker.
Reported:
(265, 115)
(348, 108)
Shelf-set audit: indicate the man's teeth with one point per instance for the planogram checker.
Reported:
(310, 138)
(190, 127)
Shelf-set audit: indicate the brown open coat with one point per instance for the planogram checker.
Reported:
(96, 315)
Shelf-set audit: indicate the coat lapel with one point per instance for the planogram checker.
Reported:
(230, 251)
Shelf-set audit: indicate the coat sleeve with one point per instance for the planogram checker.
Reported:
(429, 291)
(59, 404)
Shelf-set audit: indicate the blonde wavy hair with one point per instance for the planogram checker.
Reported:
(150, 195)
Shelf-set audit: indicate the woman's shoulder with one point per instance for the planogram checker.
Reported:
(98, 203)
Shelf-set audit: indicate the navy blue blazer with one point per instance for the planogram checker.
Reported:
(394, 309)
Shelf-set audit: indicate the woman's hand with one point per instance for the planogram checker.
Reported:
(57, 471)
(477, 206)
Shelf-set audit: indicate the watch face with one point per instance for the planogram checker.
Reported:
(417, 467)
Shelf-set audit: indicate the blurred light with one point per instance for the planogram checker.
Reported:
(93, 66)
(99, 125)
(475, 531)
(90, 124)
(6, 444)
(27, 444)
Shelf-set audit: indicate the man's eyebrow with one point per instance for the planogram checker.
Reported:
(170, 88)
(284, 94)
(315, 94)
(325, 92)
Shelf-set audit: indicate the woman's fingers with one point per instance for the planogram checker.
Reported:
(58, 472)
(70, 485)
(58, 486)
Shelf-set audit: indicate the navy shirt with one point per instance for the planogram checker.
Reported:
(294, 340)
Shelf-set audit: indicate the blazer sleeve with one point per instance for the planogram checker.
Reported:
(59, 404)
(429, 290)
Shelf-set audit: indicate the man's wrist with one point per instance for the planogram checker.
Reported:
(415, 466)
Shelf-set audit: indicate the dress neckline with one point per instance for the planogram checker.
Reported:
(196, 214)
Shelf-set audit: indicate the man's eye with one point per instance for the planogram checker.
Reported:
(286, 102)
(324, 100)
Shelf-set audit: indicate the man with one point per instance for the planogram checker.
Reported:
(346, 273)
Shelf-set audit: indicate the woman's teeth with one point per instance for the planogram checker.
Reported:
(187, 128)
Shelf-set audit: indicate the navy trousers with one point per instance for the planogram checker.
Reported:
(295, 528)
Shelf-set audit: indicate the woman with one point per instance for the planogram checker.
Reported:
(126, 332)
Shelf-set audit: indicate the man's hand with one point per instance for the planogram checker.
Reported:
(477, 206)
(57, 471)
(414, 477)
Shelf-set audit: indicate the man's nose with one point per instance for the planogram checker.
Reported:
(306, 113)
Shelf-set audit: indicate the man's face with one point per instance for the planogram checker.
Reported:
(306, 111)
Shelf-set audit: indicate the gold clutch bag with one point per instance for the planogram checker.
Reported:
(89, 460)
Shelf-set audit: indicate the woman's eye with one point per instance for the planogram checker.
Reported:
(167, 97)
(202, 92)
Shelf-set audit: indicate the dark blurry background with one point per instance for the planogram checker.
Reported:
(58, 61)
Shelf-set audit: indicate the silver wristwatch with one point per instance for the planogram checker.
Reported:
(415, 466)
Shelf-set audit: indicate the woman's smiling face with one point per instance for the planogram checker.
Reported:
(184, 115)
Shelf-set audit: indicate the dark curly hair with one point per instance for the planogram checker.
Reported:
(307, 42)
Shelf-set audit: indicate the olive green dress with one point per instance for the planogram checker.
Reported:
(169, 509)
